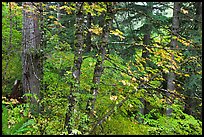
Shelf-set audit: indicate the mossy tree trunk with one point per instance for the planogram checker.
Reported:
(76, 69)
(31, 56)
(106, 23)
(145, 52)
(171, 74)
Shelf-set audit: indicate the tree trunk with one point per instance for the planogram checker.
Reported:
(88, 36)
(16, 92)
(171, 74)
(98, 70)
(58, 11)
(76, 70)
(145, 53)
(31, 60)
(198, 21)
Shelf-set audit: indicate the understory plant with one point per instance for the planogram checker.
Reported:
(21, 124)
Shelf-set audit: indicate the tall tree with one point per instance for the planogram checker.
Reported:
(31, 58)
(145, 52)
(171, 74)
(76, 70)
(88, 35)
(106, 22)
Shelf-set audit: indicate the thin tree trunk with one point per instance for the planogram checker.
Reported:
(171, 74)
(145, 54)
(88, 36)
(198, 25)
(32, 71)
(58, 12)
(76, 70)
(98, 70)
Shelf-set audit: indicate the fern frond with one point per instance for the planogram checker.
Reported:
(17, 126)
(24, 128)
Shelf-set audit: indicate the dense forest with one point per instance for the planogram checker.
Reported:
(102, 68)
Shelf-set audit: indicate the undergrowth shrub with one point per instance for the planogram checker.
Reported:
(16, 121)
(178, 123)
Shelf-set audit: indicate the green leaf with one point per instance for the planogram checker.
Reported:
(23, 127)
(17, 126)
(5, 129)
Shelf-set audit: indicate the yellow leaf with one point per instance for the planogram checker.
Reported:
(186, 75)
(148, 49)
(183, 41)
(162, 101)
(98, 8)
(200, 105)
(173, 67)
(184, 11)
(51, 17)
(117, 33)
(113, 98)
(199, 72)
(53, 7)
(146, 79)
(160, 63)
(12, 4)
(166, 70)
(62, 7)
(56, 23)
(97, 30)
(133, 79)
(120, 89)
(124, 83)
(129, 71)
(68, 9)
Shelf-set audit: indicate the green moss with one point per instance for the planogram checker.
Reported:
(119, 125)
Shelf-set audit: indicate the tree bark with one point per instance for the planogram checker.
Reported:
(31, 60)
(198, 24)
(98, 70)
(76, 70)
(171, 74)
(16, 93)
(58, 12)
(145, 53)
(88, 36)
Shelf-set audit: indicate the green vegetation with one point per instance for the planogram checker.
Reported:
(108, 68)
